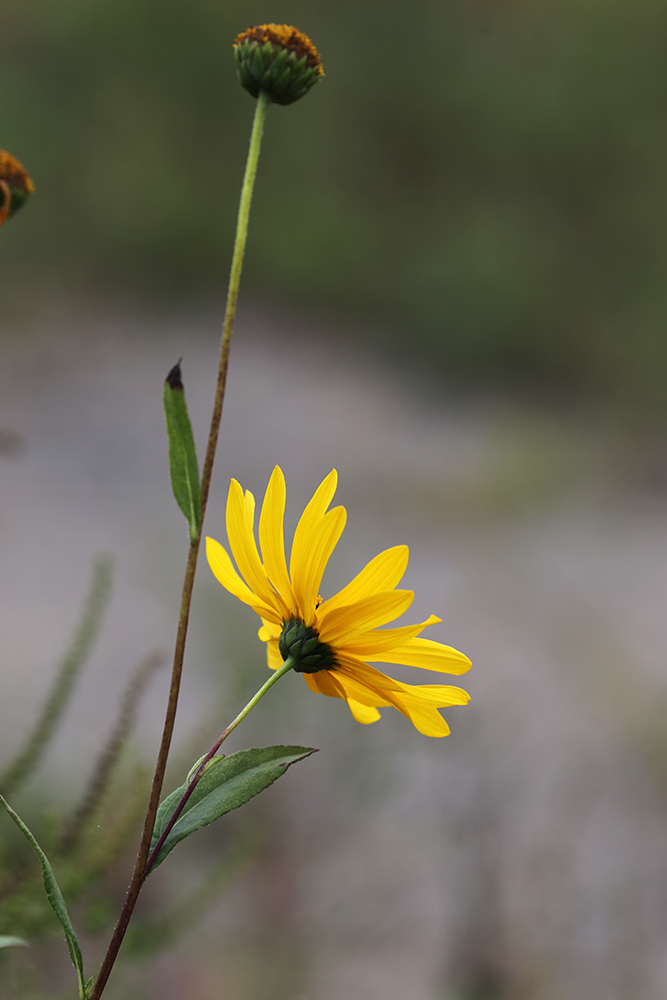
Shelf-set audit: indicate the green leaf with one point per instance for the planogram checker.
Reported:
(7, 941)
(182, 454)
(228, 783)
(55, 898)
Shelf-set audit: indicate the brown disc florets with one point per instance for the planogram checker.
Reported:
(279, 60)
(15, 186)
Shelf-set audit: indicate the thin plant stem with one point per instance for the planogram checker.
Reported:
(263, 102)
(139, 874)
(166, 927)
(193, 782)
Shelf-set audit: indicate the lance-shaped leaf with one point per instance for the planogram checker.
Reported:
(55, 898)
(7, 941)
(228, 783)
(182, 455)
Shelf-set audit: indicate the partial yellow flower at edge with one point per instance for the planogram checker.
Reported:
(332, 642)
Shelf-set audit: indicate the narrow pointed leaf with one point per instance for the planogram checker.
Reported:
(228, 783)
(55, 898)
(183, 465)
(7, 941)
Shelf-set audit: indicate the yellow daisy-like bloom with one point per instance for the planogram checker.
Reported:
(332, 642)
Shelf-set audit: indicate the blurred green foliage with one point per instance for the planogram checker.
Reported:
(89, 844)
(487, 175)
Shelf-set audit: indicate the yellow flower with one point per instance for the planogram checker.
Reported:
(332, 642)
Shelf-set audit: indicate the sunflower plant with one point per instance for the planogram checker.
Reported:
(333, 641)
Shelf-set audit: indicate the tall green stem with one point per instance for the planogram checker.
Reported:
(233, 292)
(140, 869)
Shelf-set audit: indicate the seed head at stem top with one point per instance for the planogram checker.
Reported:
(15, 185)
(279, 60)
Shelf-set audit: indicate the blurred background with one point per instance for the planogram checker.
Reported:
(454, 293)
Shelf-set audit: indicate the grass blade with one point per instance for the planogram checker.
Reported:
(55, 898)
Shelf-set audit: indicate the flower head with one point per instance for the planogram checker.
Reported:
(332, 642)
(15, 185)
(278, 59)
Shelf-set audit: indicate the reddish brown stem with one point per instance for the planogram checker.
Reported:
(140, 870)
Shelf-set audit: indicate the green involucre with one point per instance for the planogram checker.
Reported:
(302, 643)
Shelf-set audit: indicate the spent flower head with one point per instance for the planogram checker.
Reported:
(334, 642)
(15, 185)
(279, 60)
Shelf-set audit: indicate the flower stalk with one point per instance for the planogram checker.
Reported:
(141, 867)
(261, 108)
(192, 784)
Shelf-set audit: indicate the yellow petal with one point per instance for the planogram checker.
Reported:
(426, 720)
(382, 573)
(312, 683)
(380, 640)
(425, 654)
(353, 688)
(375, 680)
(331, 684)
(343, 624)
(270, 630)
(271, 535)
(324, 683)
(415, 706)
(273, 657)
(224, 572)
(310, 519)
(240, 511)
(311, 563)
(354, 669)
(362, 713)
(441, 695)
(249, 508)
